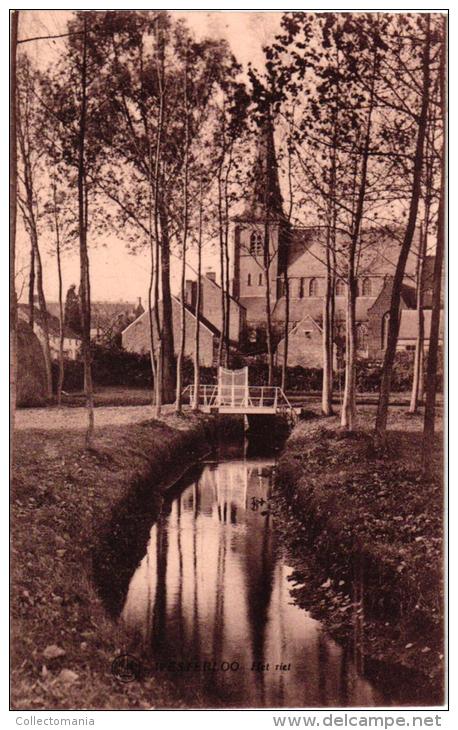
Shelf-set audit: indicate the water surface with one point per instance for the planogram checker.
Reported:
(210, 601)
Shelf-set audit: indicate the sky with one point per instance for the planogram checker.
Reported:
(117, 275)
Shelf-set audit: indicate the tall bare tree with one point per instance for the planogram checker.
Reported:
(431, 374)
(428, 203)
(185, 173)
(393, 326)
(13, 209)
(30, 172)
(85, 291)
(198, 296)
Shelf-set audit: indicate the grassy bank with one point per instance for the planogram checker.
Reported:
(63, 500)
(375, 525)
(124, 396)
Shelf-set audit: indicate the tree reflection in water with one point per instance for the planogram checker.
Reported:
(213, 587)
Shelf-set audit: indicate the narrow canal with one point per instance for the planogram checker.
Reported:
(209, 603)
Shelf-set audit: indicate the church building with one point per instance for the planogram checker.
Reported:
(257, 274)
(301, 252)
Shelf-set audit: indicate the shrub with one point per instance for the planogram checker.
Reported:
(31, 380)
(73, 375)
(117, 367)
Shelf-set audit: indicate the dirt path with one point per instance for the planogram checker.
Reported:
(75, 419)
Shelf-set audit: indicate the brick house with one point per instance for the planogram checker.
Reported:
(408, 329)
(378, 315)
(210, 306)
(136, 336)
(305, 345)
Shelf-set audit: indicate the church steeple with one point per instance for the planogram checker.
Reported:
(263, 214)
(265, 196)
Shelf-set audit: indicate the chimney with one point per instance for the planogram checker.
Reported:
(190, 293)
(138, 310)
(211, 275)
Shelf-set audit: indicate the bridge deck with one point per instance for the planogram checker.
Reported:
(242, 400)
(243, 410)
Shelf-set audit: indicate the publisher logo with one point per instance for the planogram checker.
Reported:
(126, 668)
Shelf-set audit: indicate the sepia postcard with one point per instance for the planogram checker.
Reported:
(228, 310)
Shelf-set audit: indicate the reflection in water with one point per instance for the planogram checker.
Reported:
(213, 587)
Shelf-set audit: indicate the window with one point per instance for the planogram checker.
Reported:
(410, 348)
(301, 288)
(340, 288)
(361, 337)
(308, 334)
(366, 288)
(313, 288)
(249, 280)
(256, 247)
(260, 280)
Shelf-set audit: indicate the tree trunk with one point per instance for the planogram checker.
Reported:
(266, 273)
(329, 298)
(418, 359)
(181, 351)
(417, 382)
(284, 370)
(270, 351)
(393, 325)
(28, 207)
(328, 333)
(84, 260)
(348, 415)
(32, 288)
(222, 353)
(431, 373)
(180, 358)
(152, 346)
(227, 294)
(60, 383)
(349, 400)
(13, 213)
(197, 309)
(153, 304)
(227, 331)
(156, 253)
(43, 310)
(168, 372)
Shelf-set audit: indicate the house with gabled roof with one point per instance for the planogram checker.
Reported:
(136, 336)
(72, 341)
(305, 344)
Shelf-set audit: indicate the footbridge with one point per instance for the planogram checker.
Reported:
(233, 394)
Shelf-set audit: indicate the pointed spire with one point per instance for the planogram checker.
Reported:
(266, 194)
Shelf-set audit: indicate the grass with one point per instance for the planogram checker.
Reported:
(112, 396)
(124, 396)
(62, 498)
(372, 518)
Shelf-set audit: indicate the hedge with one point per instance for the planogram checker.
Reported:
(116, 367)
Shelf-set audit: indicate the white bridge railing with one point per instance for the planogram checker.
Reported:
(238, 397)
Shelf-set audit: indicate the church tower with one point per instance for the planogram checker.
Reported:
(262, 222)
